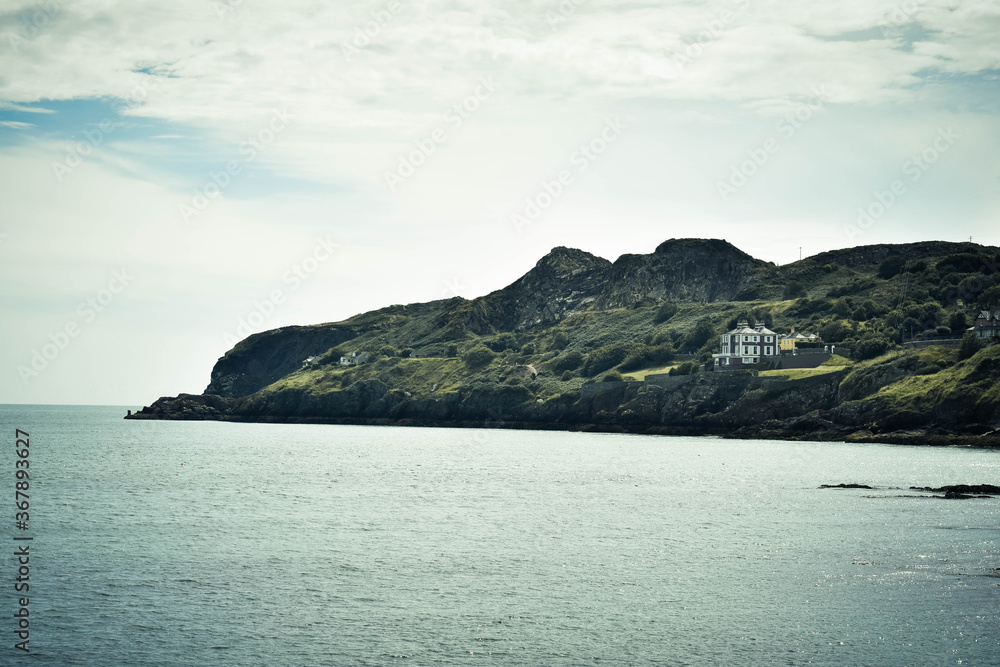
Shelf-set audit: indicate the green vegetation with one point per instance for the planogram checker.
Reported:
(505, 353)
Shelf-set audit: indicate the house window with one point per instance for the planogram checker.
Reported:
(768, 352)
(747, 360)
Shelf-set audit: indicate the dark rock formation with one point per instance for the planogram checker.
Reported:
(563, 282)
(697, 270)
(265, 357)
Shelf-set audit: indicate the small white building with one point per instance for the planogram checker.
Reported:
(354, 359)
(744, 346)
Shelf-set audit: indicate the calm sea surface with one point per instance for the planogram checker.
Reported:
(200, 543)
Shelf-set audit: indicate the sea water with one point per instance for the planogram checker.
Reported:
(204, 543)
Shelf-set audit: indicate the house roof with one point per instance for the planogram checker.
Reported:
(748, 330)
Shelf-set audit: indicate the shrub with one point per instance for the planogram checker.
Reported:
(794, 290)
(528, 349)
(859, 314)
(388, 351)
(480, 355)
(613, 376)
(687, 368)
(666, 310)
(603, 358)
(891, 266)
(567, 376)
(870, 348)
(452, 351)
(943, 331)
(842, 308)
(568, 362)
(406, 352)
(559, 340)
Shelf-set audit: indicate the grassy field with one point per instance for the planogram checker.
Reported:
(799, 373)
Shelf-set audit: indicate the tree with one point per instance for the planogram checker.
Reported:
(406, 352)
(971, 343)
(834, 332)
(703, 331)
(478, 356)
(990, 298)
(958, 322)
(859, 314)
(842, 308)
(452, 350)
(794, 290)
(758, 314)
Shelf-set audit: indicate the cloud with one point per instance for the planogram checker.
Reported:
(16, 125)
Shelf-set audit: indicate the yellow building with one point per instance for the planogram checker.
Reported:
(788, 343)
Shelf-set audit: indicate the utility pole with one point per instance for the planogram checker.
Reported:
(800, 250)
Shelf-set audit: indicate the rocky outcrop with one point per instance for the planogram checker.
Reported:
(563, 282)
(682, 270)
(204, 407)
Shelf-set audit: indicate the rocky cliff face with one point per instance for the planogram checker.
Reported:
(682, 270)
(567, 281)
(268, 356)
(564, 281)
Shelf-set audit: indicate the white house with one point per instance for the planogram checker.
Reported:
(744, 346)
(354, 359)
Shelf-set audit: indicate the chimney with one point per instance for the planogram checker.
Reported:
(742, 324)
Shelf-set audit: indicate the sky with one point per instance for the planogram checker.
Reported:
(175, 177)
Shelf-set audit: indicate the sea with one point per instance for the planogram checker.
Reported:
(207, 543)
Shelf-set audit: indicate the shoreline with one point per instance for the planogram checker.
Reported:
(990, 440)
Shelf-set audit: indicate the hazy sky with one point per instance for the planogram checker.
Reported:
(169, 170)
